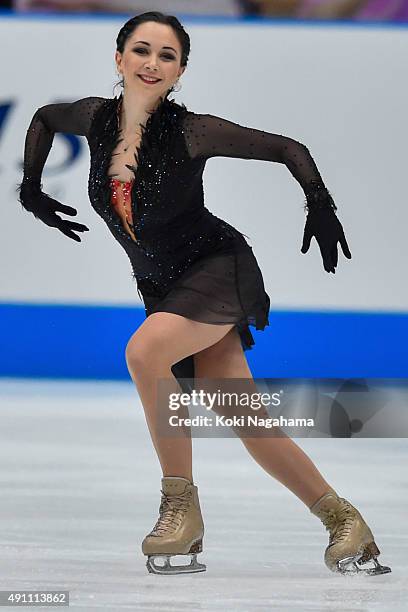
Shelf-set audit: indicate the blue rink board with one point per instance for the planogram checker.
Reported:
(88, 342)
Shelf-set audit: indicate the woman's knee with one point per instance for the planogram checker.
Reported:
(143, 351)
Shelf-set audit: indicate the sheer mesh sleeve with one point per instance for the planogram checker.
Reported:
(71, 118)
(209, 136)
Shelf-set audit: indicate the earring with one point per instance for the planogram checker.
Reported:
(120, 75)
(176, 83)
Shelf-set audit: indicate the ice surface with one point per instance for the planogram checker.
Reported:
(80, 488)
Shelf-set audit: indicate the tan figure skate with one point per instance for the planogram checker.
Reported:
(351, 543)
(179, 529)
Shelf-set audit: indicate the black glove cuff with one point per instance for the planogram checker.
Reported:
(29, 189)
(318, 197)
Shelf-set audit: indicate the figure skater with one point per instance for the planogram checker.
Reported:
(197, 275)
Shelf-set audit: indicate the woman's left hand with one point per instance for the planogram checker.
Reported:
(324, 225)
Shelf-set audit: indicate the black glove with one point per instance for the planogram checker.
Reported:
(323, 223)
(44, 208)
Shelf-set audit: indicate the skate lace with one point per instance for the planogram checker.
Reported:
(171, 511)
(339, 522)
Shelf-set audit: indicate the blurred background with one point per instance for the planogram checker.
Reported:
(376, 10)
(329, 74)
(79, 478)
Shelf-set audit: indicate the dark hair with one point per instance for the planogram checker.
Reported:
(127, 30)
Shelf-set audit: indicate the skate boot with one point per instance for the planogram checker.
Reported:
(179, 529)
(351, 543)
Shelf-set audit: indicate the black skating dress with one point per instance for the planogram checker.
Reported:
(184, 259)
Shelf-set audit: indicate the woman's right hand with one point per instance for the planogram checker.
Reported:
(45, 208)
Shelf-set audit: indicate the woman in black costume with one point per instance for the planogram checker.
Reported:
(197, 275)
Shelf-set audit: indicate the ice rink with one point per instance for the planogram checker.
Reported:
(80, 488)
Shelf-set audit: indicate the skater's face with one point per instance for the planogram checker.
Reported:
(152, 49)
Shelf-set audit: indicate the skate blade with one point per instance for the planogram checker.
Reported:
(376, 570)
(167, 569)
(350, 566)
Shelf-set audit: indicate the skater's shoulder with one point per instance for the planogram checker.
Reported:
(92, 101)
(193, 120)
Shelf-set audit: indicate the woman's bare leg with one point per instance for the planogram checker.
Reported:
(162, 340)
(279, 456)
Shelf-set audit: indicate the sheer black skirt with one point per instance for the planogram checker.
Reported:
(219, 289)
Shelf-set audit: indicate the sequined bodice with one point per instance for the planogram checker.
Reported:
(170, 227)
